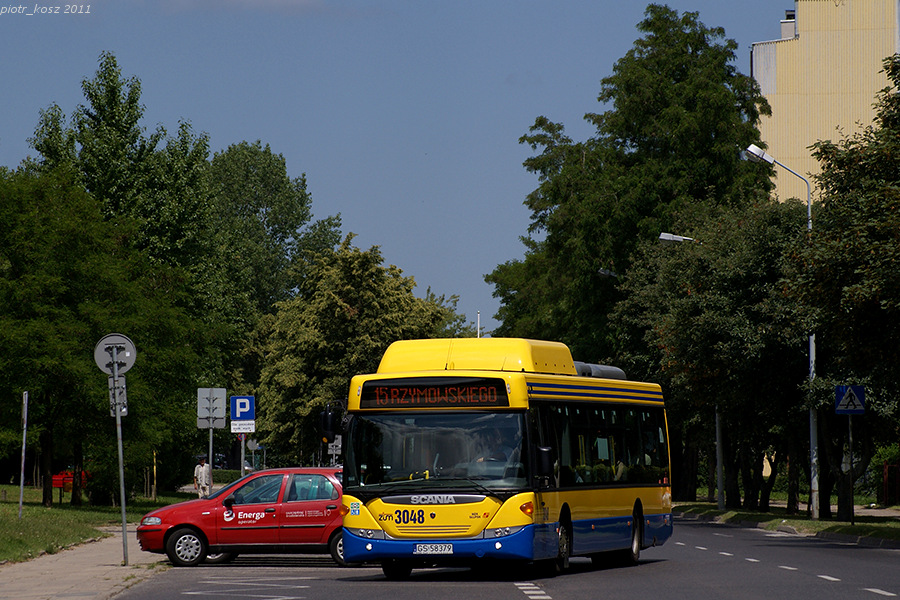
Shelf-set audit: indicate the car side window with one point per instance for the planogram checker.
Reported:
(310, 487)
(260, 490)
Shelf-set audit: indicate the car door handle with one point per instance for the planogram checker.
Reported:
(270, 510)
(331, 507)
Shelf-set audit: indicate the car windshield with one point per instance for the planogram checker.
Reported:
(228, 488)
(436, 450)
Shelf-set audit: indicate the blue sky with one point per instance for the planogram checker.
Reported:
(405, 116)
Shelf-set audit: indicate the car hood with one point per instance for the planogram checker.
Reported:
(198, 504)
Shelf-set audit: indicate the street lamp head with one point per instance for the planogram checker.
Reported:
(671, 238)
(757, 154)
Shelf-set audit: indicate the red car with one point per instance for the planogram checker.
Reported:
(266, 512)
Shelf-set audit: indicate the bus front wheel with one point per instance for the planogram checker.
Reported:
(558, 565)
(632, 555)
(396, 570)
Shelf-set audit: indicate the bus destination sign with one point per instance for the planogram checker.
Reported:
(434, 392)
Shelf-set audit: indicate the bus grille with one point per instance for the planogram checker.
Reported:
(434, 530)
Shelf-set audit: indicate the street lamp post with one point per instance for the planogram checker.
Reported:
(757, 154)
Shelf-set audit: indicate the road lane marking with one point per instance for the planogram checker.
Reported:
(754, 560)
(701, 547)
(879, 592)
(828, 578)
(786, 568)
(532, 591)
(726, 553)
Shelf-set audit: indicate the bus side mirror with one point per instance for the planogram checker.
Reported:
(544, 465)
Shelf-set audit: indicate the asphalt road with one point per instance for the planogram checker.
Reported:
(702, 561)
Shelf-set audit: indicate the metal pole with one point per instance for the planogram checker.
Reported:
(211, 460)
(24, 437)
(813, 413)
(851, 469)
(115, 357)
(720, 461)
(242, 437)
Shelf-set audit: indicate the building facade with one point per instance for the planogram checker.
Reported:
(821, 79)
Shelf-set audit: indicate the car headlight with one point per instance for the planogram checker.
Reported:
(151, 521)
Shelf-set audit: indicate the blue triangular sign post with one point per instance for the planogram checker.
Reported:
(849, 400)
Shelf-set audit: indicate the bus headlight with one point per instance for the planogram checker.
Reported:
(499, 532)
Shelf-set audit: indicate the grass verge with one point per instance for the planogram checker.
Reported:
(49, 530)
(871, 524)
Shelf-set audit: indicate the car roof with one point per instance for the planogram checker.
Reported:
(291, 470)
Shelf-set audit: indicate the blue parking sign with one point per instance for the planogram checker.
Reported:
(243, 408)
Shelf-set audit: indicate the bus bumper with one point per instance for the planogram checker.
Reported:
(517, 546)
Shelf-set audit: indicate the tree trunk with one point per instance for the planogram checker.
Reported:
(684, 468)
(77, 468)
(731, 468)
(748, 475)
(793, 473)
(46, 442)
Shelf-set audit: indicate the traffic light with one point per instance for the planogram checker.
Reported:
(327, 425)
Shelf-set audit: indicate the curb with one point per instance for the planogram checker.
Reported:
(859, 540)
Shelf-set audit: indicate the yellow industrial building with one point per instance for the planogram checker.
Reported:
(821, 79)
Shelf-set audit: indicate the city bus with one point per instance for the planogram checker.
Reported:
(474, 450)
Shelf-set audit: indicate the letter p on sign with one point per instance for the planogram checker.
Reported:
(243, 408)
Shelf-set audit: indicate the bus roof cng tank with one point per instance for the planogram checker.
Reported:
(478, 354)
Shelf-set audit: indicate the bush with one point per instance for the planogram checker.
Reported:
(223, 476)
(885, 455)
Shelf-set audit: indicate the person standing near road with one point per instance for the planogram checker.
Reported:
(202, 478)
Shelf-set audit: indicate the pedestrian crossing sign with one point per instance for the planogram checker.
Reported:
(849, 400)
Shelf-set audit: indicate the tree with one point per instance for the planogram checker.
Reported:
(847, 277)
(68, 277)
(261, 214)
(679, 114)
(154, 191)
(712, 319)
(349, 309)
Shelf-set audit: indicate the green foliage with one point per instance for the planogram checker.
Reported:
(260, 215)
(198, 261)
(679, 114)
(848, 274)
(348, 310)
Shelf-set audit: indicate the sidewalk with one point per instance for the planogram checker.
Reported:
(90, 571)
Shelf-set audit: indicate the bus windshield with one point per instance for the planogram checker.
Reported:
(436, 450)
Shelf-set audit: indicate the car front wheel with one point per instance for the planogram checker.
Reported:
(186, 548)
(336, 547)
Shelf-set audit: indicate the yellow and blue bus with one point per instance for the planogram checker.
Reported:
(471, 450)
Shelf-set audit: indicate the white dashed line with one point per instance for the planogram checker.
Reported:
(533, 591)
(753, 560)
(786, 568)
(879, 592)
(828, 578)
(726, 554)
